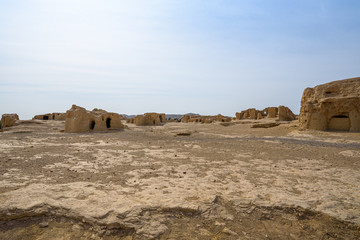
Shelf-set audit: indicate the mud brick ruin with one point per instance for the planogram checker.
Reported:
(79, 119)
(281, 113)
(8, 120)
(332, 106)
(50, 116)
(205, 119)
(148, 119)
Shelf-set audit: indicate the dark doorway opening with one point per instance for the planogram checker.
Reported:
(108, 121)
(154, 122)
(92, 125)
(339, 123)
(45, 117)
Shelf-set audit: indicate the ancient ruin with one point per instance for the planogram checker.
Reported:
(148, 119)
(79, 119)
(8, 120)
(205, 119)
(50, 116)
(332, 106)
(281, 113)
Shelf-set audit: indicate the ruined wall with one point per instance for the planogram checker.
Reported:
(50, 116)
(9, 120)
(205, 119)
(221, 118)
(191, 118)
(250, 113)
(272, 112)
(280, 113)
(130, 120)
(285, 114)
(149, 119)
(185, 119)
(79, 119)
(332, 106)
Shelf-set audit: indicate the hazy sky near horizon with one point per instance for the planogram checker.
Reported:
(172, 56)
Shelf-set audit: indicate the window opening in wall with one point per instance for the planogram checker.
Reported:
(45, 117)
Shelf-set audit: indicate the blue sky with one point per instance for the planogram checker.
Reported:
(172, 56)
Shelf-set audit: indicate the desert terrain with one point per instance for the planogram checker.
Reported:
(179, 181)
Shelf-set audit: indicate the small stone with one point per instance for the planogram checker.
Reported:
(228, 231)
(44, 224)
(219, 223)
(76, 227)
(101, 233)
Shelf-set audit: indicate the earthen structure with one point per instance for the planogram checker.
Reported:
(148, 119)
(79, 119)
(205, 119)
(332, 106)
(8, 120)
(281, 113)
(50, 116)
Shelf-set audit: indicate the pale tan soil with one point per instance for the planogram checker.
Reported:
(211, 182)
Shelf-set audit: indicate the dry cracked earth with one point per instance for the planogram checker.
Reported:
(179, 181)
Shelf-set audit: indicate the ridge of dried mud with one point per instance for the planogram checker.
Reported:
(179, 181)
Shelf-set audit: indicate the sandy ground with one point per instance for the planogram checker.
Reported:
(179, 181)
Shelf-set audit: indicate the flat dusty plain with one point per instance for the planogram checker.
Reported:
(179, 181)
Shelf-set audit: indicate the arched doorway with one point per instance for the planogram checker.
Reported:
(108, 123)
(339, 123)
(92, 125)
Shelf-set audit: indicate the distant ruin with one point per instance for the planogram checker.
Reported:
(148, 119)
(8, 120)
(79, 119)
(50, 116)
(332, 106)
(205, 119)
(280, 113)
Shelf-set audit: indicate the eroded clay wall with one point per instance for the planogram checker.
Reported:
(332, 106)
(79, 119)
(9, 120)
